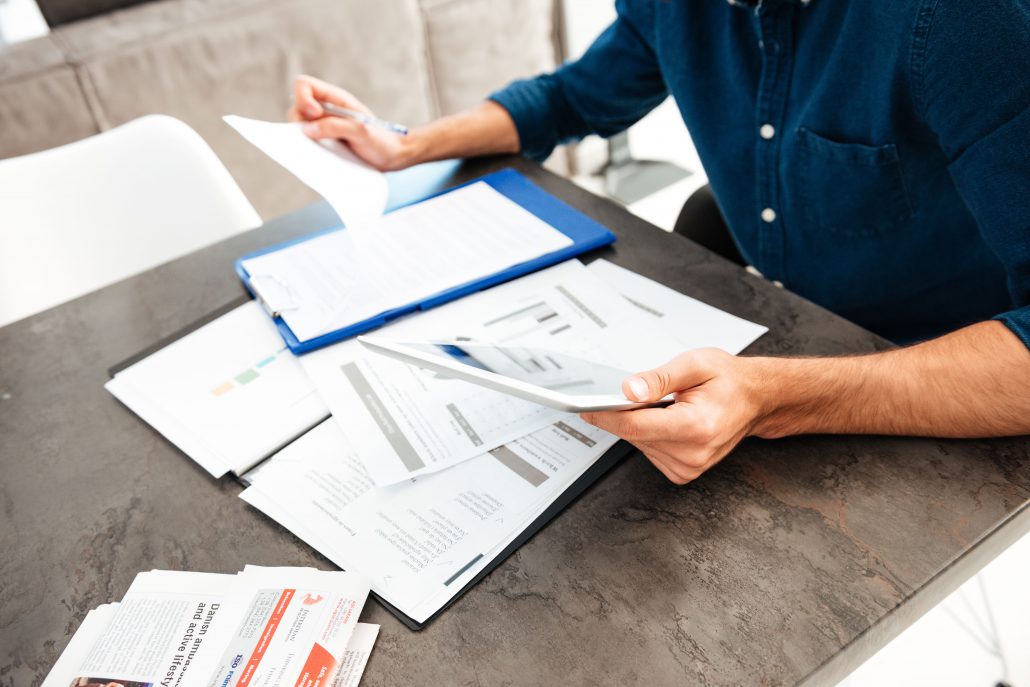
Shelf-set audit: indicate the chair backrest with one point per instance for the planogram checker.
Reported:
(87, 214)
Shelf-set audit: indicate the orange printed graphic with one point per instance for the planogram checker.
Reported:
(266, 637)
(319, 670)
(222, 388)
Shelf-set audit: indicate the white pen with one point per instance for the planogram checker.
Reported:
(338, 111)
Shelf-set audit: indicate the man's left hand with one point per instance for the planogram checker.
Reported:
(716, 406)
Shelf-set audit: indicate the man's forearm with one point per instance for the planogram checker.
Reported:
(971, 383)
(483, 130)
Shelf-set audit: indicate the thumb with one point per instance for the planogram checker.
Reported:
(682, 372)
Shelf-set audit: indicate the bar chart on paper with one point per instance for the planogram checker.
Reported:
(248, 375)
(227, 394)
(535, 316)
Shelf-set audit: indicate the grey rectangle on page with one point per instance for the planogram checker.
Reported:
(511, 460)
(464, 424)
(387, 425)
(582, 307)
(575, 434)
(465, 567)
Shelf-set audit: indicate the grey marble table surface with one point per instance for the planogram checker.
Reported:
(789, 562)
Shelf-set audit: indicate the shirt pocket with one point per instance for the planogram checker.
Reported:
(851, 189)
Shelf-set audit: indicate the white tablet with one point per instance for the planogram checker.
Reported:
(551, 378)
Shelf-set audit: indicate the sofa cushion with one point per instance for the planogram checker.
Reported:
(40, 99)
(149, 21)
(476, 46)
(19, 60)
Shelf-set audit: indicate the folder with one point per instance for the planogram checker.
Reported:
(585, 234)
(606, 462)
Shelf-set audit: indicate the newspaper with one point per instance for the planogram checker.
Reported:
(262, 626)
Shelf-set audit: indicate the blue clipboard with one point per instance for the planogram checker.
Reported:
(586, 235)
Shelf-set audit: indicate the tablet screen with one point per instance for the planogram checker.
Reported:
(544, 368)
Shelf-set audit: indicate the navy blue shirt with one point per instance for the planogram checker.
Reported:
(872, 156)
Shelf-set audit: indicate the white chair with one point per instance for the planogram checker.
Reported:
(87, 214)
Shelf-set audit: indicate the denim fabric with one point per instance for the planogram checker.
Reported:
(894, 184)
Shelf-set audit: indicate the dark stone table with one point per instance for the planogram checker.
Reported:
(792, 561)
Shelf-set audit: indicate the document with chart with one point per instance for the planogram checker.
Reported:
(406, 421)
(693, 323)
(420, 541)
(227, 394)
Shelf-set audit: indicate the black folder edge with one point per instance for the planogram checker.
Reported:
(602, 465)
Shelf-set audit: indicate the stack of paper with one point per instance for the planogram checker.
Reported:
(271, 626)
(418, 482)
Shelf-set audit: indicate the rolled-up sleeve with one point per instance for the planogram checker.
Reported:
(615, 83)
(974, 93)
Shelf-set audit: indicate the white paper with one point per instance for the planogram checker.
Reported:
(331, 281)
(405, 421)
(294, 625)
(227, 394)
(165, 630)
(355, 190)
(420, 541)
(693, 323)
(412, 422)
(359, 648)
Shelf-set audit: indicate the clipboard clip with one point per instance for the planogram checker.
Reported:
(273, 293)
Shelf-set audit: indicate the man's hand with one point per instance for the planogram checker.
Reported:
(715, 408)
(483, 130)
(974, 382)
(384, 150)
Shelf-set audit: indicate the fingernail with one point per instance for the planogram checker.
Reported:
(311, 129)
(311, 111)
(638, 387)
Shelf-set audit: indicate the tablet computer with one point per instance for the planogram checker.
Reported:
(551, 378)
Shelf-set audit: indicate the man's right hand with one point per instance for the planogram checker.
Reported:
(384, 150)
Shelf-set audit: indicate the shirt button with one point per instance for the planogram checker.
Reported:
(767, 131)
(768, 215)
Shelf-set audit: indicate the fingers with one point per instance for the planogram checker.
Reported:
(644, 424)
(305, 102)
(668, 465)
(677, 439)
(682, 372)
(682, 421)
(660, 463)
(308, 91)
(336, 127)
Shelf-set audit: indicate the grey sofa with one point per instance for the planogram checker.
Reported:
(410, 60)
